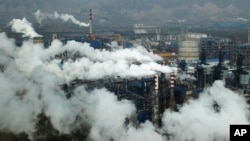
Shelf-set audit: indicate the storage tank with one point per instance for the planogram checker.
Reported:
(244, 78)
(189, 50)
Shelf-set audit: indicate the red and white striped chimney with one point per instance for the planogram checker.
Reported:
(172, 80)
(156, 81)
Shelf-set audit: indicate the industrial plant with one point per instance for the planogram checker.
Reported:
(186, 65)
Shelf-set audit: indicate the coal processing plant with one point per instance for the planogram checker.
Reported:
(146, 85)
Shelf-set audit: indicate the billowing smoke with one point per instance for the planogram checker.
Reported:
(138, 54)
(184, 76)
(94, 64)
(31, 80)
(23, 26)
(31, 87)
(40, 16)
(207, 118)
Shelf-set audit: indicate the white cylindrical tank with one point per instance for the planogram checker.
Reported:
(244, 78)
(189, 50)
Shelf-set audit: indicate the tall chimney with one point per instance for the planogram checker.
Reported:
(90, 21)
(172, 103)
(155, 101)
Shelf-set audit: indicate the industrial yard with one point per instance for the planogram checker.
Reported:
(139, 82)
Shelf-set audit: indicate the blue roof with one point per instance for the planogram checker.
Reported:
(212, 60)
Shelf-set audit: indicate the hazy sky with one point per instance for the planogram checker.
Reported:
(132, 11)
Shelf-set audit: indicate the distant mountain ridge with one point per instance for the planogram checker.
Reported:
(131, 11)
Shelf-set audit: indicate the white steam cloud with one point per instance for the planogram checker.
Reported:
(40, 16)
(31, 76)
(94, 64)
(29, 88)
(207, 118)
(23, 26)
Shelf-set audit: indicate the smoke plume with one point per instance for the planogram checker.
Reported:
(31, 80)
(40, 16)
(31, 85)
(23, 26)
(207, 118)
(94, 64)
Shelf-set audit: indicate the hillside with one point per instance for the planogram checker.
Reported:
(111, 12)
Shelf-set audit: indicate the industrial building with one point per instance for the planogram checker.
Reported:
(199, 60)
(189, 46)
(193, 57)
(212, 46)
(190, 52)
(244, 49)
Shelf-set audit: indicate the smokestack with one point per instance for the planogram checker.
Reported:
(155, 101)
(156, 82)
(172, 104)
(90, 21)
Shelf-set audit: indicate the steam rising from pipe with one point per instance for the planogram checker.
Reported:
(40, 16)
(23, 26)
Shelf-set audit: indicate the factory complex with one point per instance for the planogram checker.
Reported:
(197, 59)
(156, 70)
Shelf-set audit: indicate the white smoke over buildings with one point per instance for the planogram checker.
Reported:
(31, 80)
(207, 118)
(23, 26)
(27, 94)
(40, 16)
(94, 64)
(138, 54)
